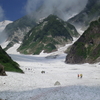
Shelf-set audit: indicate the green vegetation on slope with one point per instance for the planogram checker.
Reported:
(8, 63)
(46, 35)
(87, 48)
(18, 29)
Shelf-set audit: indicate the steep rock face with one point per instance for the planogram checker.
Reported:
(2, 71)
(8, 63)
(90, 13)
(48, 35)
(87, 48)
(18, 29)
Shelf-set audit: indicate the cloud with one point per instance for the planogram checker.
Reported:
(1, 13)
(32, 5)
(2, 35)
(63, 8)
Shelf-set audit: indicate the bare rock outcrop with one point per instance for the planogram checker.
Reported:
(2, 71)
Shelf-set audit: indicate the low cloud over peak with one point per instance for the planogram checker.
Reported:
(1, 13)
(62, 8)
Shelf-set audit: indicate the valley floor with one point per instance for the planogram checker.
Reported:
(59, 82)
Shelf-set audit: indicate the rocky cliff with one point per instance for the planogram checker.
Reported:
(87, 48)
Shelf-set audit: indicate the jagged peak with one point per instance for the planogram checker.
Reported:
(51, 16)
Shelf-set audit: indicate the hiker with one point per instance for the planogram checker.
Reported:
(78, 75)
(81, 75)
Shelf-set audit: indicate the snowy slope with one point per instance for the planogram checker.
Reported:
(33, 85)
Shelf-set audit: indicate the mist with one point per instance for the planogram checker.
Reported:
(62, 8)
(1, 13)
(3, 38)
(3, 35)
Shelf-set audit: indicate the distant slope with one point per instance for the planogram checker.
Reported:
(8, 63)
(18, 29)
(87, 48)
(3, 24)
(48, 35)
(91, 12)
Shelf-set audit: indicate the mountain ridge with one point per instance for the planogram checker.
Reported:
(16, 30)
(86, 48)
(89, 13)
(49, 33)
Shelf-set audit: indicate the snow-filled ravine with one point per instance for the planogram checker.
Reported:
(58, 81)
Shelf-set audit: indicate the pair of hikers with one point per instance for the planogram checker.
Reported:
(79, 75)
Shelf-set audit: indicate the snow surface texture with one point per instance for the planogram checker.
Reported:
(58, 82)
(47, 77)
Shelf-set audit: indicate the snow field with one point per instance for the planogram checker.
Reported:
(34, 85)
(56, 93)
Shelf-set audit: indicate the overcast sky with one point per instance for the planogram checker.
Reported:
(15, 9)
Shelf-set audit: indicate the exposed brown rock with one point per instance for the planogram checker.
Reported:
(2, 71)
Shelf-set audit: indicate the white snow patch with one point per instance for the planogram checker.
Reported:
(13, 50)
(80, 31)
(33, 85)
(41, 20)
(4, 44)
